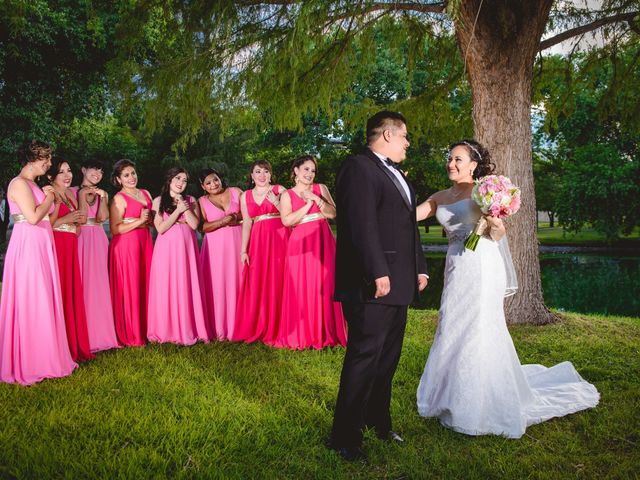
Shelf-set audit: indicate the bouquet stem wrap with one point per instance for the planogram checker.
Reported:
(472, 242)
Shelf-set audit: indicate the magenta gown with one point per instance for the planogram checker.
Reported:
(66, 241)
(33, 339)
(260, 298)
(176, 312)
(310, 316)
(93, 250)
(129, 264)
(221, 267)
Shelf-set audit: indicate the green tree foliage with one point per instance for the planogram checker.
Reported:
(600, 187)
(592, 135)
(198, 63)
(52, 68)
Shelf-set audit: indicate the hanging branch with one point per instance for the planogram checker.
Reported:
(573, 32)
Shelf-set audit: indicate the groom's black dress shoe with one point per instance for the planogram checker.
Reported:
(391, 436)
(350, 454)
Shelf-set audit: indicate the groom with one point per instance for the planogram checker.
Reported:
(380, 268)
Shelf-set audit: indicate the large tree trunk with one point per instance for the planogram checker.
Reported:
(499, 40)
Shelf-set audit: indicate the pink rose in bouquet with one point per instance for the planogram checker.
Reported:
(497, 197)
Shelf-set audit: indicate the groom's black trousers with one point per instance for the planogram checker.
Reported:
(373, 350)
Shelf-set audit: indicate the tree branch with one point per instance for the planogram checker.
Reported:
(438, 7)
(561, 37)
(410, 6)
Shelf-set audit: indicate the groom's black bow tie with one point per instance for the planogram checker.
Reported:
(392, 164)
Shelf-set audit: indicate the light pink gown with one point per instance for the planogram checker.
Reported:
(310, 316)
(33, 338)
(93, 250)
(221, 267)
(175, 312)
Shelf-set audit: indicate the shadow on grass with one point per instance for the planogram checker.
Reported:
(229, 410)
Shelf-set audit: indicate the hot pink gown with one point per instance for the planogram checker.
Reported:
(260, 299)
(129, 264)
(72, 293)
(33, 339)
(221, 267)
(93, 250)
(310, 316)
(176, 312)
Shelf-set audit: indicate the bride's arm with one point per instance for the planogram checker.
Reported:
(496, 228)
(426, 209)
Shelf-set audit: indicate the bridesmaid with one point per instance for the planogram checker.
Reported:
(33, 340)
(129, 254)
(220, 253)
(93, 249)
(310, 316)
(264, 243)
(66, 219)
(176, 312)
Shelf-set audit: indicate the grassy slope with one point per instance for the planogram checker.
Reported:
(247, 411)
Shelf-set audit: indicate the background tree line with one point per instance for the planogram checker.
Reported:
(223, 83)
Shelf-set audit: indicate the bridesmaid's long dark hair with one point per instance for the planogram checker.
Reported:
(166, 201)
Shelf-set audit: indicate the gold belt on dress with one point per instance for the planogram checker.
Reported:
(92, 222)
(66, 227)
(311, 217)
(266, 216)
(127, 220)
(20, 218)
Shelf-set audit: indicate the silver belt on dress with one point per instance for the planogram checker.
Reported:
(20, 218)
(91, 222)
(457, 236)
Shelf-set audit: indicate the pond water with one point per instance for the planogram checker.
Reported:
(583, 283)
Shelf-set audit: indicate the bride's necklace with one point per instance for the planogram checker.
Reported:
(456, 195)
(460, 192)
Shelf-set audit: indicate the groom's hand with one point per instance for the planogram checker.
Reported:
(383, 286)
(422, 282)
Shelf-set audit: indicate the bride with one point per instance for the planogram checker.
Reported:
(473, 381)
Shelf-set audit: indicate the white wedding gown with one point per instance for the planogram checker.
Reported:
(473, 381)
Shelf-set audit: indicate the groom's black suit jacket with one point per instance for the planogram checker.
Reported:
(377, 233)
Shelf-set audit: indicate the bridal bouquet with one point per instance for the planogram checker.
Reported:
(497, 197)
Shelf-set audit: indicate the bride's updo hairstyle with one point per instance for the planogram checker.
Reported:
(478, 153)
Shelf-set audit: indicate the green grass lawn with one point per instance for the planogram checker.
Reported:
(227, 410)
